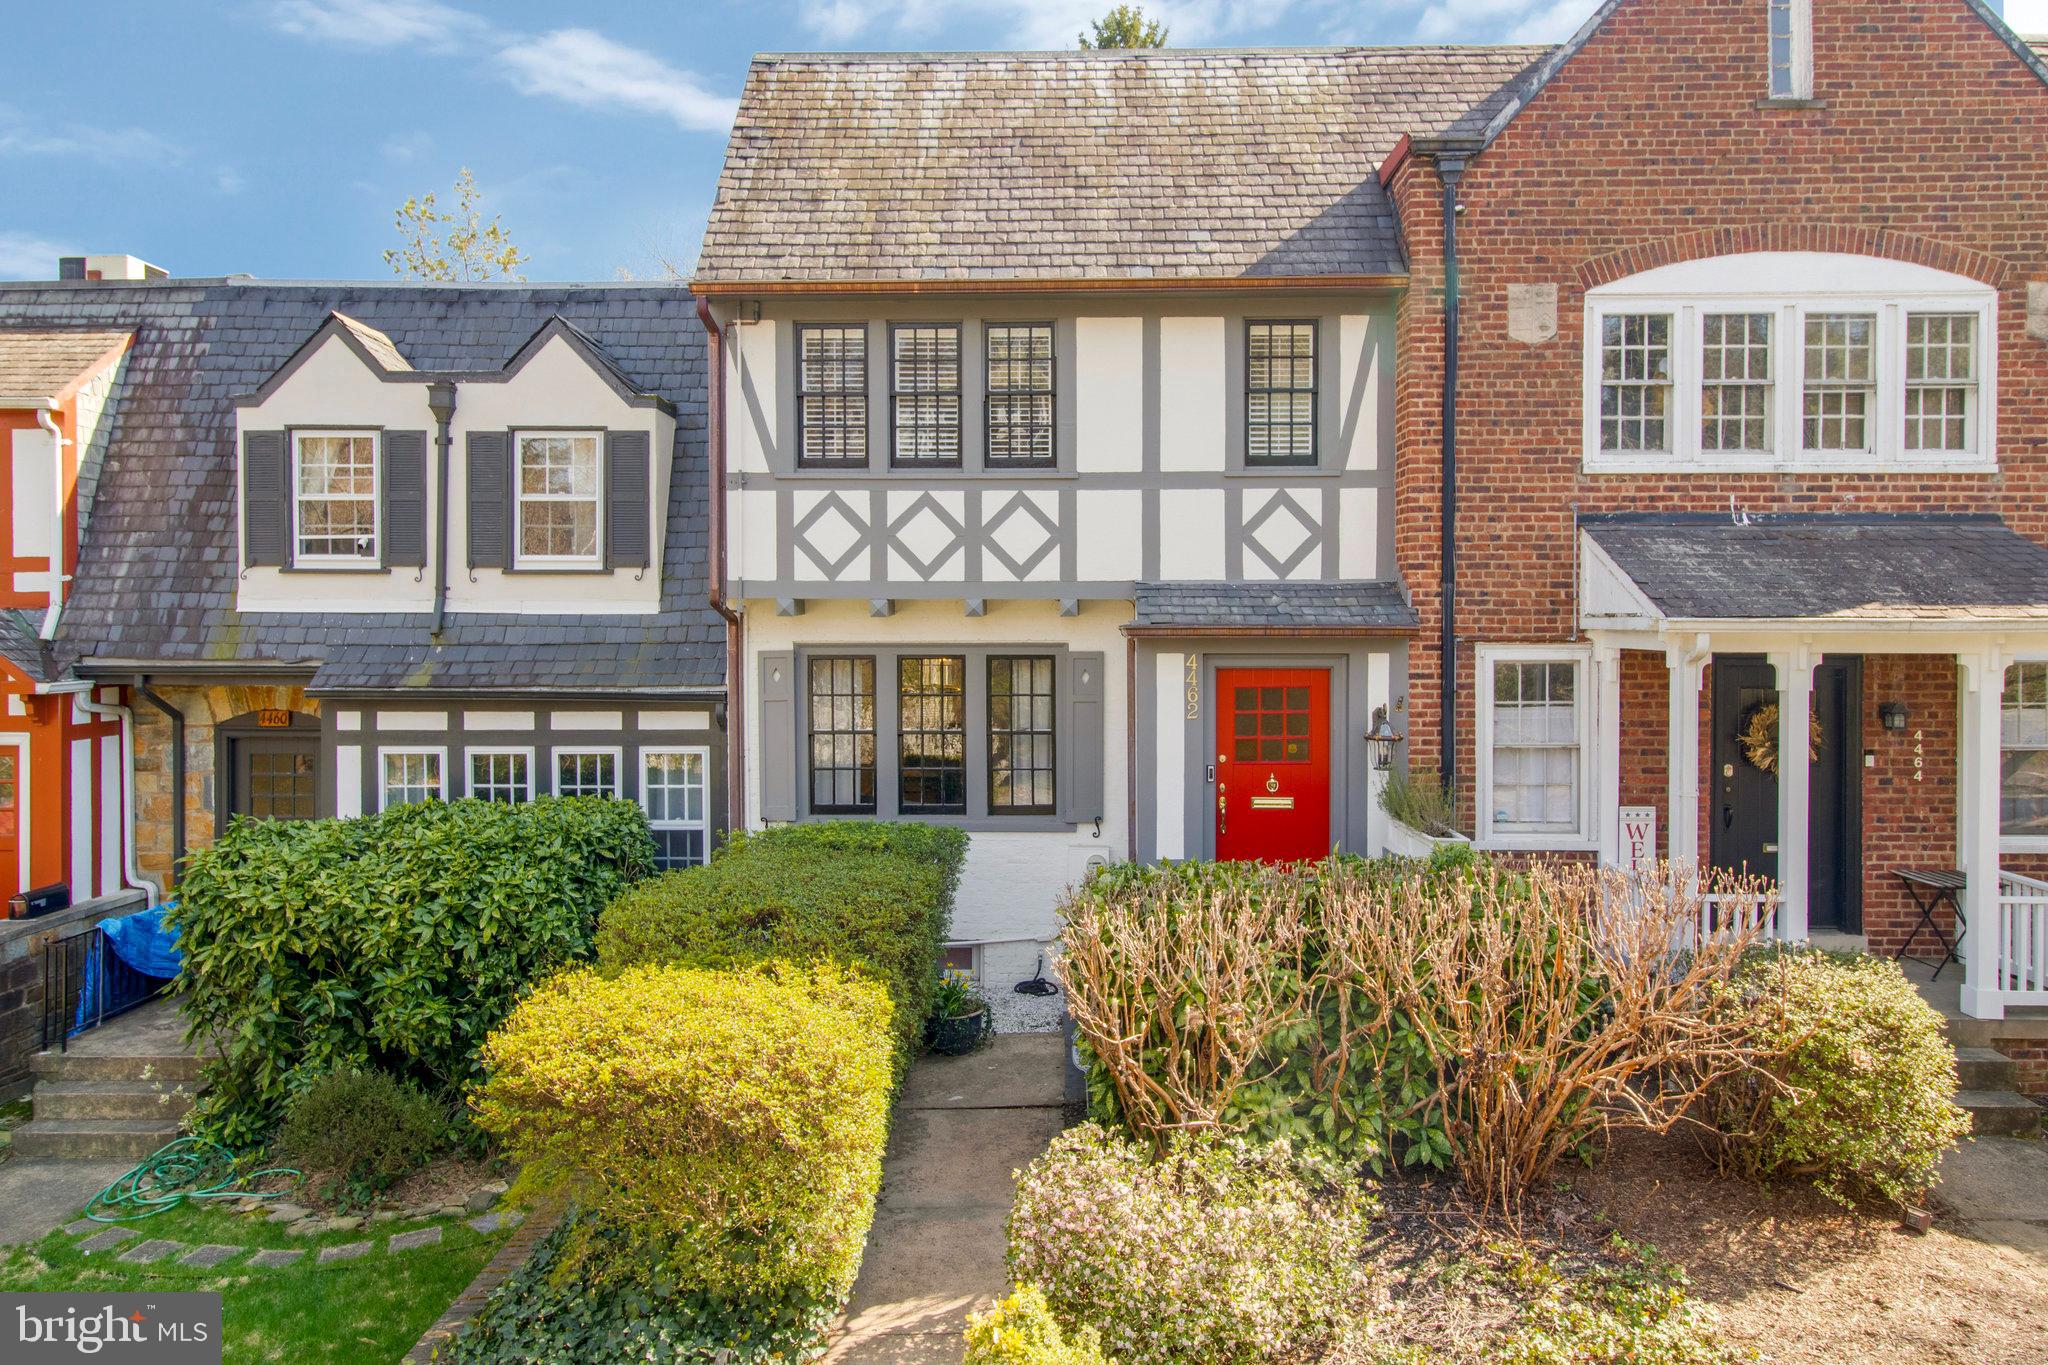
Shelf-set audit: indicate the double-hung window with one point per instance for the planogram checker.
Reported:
(2023, 754)
(1941, 382)
(1635, 381)
(1280, 393)
(832, 396)
(1840, 388)
(1735, 382)
(409, 776)
(560, 507)
(924, 395)
(1020, 395)
(675, 793)
(334, 498)
(504, 775)
(586, 772)
(1535, 741)
(842, 714)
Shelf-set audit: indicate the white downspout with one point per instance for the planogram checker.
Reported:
(130, 867)
(57, 575)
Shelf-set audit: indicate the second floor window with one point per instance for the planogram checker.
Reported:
(559, 486)
(1635, 381)
(832, 397)
(334, 502)
(1841, 380)
(924, 394)
(1020, 395)
(1941, 381)
(1280, 393)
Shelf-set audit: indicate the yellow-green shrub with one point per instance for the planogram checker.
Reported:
(734, 1118)
(1021, 1330)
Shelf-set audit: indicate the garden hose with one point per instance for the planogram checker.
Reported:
(190, 1168)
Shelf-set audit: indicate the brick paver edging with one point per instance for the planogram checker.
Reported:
(470, 1301)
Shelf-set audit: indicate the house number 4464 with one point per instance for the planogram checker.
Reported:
(1919, 755)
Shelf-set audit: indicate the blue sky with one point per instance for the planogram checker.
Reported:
(275, 137)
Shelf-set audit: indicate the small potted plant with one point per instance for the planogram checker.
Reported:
(959, 1017)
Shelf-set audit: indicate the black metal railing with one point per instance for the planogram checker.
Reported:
(85, 983)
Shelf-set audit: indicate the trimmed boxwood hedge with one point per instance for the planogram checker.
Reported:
(394, 941)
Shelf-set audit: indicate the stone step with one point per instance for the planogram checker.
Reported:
(95, 1066)
(1993, 1113)
(93, 1139)
(112, 1100)
(1984, 1068)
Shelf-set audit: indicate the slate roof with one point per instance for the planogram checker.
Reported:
(21, 645)
(156, 584)
(41, 363)
(1273, 606)
(1830, 567)
(1084, 165)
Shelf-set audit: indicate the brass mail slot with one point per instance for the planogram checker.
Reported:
(1272, 803)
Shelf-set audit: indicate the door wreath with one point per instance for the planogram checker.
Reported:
(1760, 737)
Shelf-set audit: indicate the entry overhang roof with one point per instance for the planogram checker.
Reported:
(1643, 570)
(1318, 608)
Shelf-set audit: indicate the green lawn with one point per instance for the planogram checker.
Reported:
(369, 1309)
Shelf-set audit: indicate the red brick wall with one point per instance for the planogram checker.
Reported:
(1649, 147)
(1909, 796)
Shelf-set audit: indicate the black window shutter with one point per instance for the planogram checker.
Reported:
(777, 741)
(490, 499)
(1081, 738)
(628, 498)
(405, 499)
(266, 499)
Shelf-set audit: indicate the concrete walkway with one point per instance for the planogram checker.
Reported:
(964, 1126)
(1999, 1186)
(37, 1194)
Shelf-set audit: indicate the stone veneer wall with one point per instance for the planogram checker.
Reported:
(204, 708)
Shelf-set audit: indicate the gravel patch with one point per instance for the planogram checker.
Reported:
(1016, 1013)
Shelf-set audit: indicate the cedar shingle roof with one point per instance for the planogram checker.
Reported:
(43, 363)
(1084, 165)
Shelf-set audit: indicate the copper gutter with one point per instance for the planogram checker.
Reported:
(735, 628)
(750, 288)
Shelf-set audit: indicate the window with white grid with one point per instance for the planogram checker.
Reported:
(675, 793)
(1635, 381)
(924, 394)
(2023, 753)
(409, 776)
(1535, 747)
(1840, 389)
(501, 774)
(586, 772)
(1790, 53)
(559, 486)
(1735, 382)
(1941, 381)
(334, 504)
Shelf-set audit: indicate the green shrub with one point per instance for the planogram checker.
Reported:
(871, 897)
(1638, 1312)
(359, 1131)
(395, 941)
(734, 1120)
(1862, 1080)
(1021, 1330)
(1420, 801)
(1220, 1251)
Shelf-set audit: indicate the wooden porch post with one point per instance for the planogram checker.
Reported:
(1795, 760)
(1977, 818)
(1607, 751)
(1686, 662)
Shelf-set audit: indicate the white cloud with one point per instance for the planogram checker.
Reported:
(228, 180)
(109, 146)
(23, 257)
(378, 23)
(586, 68)
(406, 148)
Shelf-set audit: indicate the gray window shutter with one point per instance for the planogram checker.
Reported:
(777, 740)
(266, 498)
(628, 498)
(1081, 795)
(490, 499)
(405, 499)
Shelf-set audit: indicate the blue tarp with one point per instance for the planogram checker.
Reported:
(144, 941)
(139, 942)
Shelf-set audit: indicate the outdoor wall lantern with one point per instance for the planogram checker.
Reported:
(1892, 715)
(1381, 739)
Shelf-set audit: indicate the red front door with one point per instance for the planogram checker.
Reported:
(1273, 764)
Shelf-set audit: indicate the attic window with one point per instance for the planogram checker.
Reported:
(1791, 54)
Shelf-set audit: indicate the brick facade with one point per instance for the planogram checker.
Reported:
(1927, 142)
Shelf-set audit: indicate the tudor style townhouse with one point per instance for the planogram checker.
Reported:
(347, 546)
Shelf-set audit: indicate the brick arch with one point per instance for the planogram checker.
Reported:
(1833, 238)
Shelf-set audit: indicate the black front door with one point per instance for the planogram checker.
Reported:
(1743, 814)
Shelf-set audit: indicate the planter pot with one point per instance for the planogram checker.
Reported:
(960, 1036)
(1409, 842)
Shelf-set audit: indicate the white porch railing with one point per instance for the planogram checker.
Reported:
(2019, 940)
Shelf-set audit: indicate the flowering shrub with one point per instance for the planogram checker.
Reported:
(1219, 1250)
(1636, 1314)
(735, 1120)
(1021, 1330)
(1856, 1089)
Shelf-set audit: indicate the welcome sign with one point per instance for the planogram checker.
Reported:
(160, 1329)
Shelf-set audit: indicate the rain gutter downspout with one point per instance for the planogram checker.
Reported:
(131, 868)
(441, 402)
(48, 422)
(177, 719)
(1450, 170)
(735, 627)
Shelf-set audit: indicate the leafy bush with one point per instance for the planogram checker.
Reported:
(871, 897)
(1220, 1250)
(395, 941)
(1021, 1330)
(1856, 1087)
(732, 1120)
(1637, 1313)
(361, 1130)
